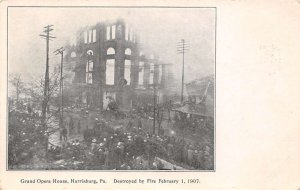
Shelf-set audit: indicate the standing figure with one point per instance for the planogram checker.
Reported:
(61, 133)
(106, 160)
(78, 126)
(129, 125)
(140, 124)
(190, 156)
(71, 125)
(64, 134)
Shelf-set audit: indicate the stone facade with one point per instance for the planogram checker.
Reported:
(104, 55)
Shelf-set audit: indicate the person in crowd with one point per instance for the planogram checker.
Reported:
(71, 125)
(29, 110)
(194, 159)
(106, 157)
(199, 159)
(86, 134)
(96, 122)
(94, 146)
(64, 134)
(129, 125)
(190, 155)
(170, 148)
(78, 126)
(140, 125)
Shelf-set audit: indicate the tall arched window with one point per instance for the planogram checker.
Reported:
(110, 72)
(89, 68)
(89, 72)
(111, 51)
(127, 51)
(127, 70)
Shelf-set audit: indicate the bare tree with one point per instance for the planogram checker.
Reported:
(17, 83)
(35, 90)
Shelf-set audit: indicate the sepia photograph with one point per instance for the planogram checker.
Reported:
(146, 94)
(111, 88)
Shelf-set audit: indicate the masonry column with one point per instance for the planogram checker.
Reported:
(119, 66)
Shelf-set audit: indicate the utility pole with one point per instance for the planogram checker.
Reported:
(182, 48)
(154, 105)
(46, 35)
(155, 98)
(61, 84)
(158, 112)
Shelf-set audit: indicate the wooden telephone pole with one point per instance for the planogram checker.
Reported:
(154, 106)
(61, 84)
(182, 48)
(46, 35)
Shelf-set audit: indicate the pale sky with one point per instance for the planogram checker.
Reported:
(159, 29)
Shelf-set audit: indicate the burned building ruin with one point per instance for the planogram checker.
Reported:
(109, 63)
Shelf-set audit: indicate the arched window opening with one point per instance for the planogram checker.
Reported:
(127, 71)
(111, 51)
(90, 52)
(127, 51)
(110, 72)
(89, 71)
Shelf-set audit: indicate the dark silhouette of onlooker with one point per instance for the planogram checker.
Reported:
(78, 127)
(64, 134)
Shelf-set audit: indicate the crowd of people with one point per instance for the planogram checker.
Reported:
(127, 147)
(25, 136)
(130, 147)
(195, 124)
